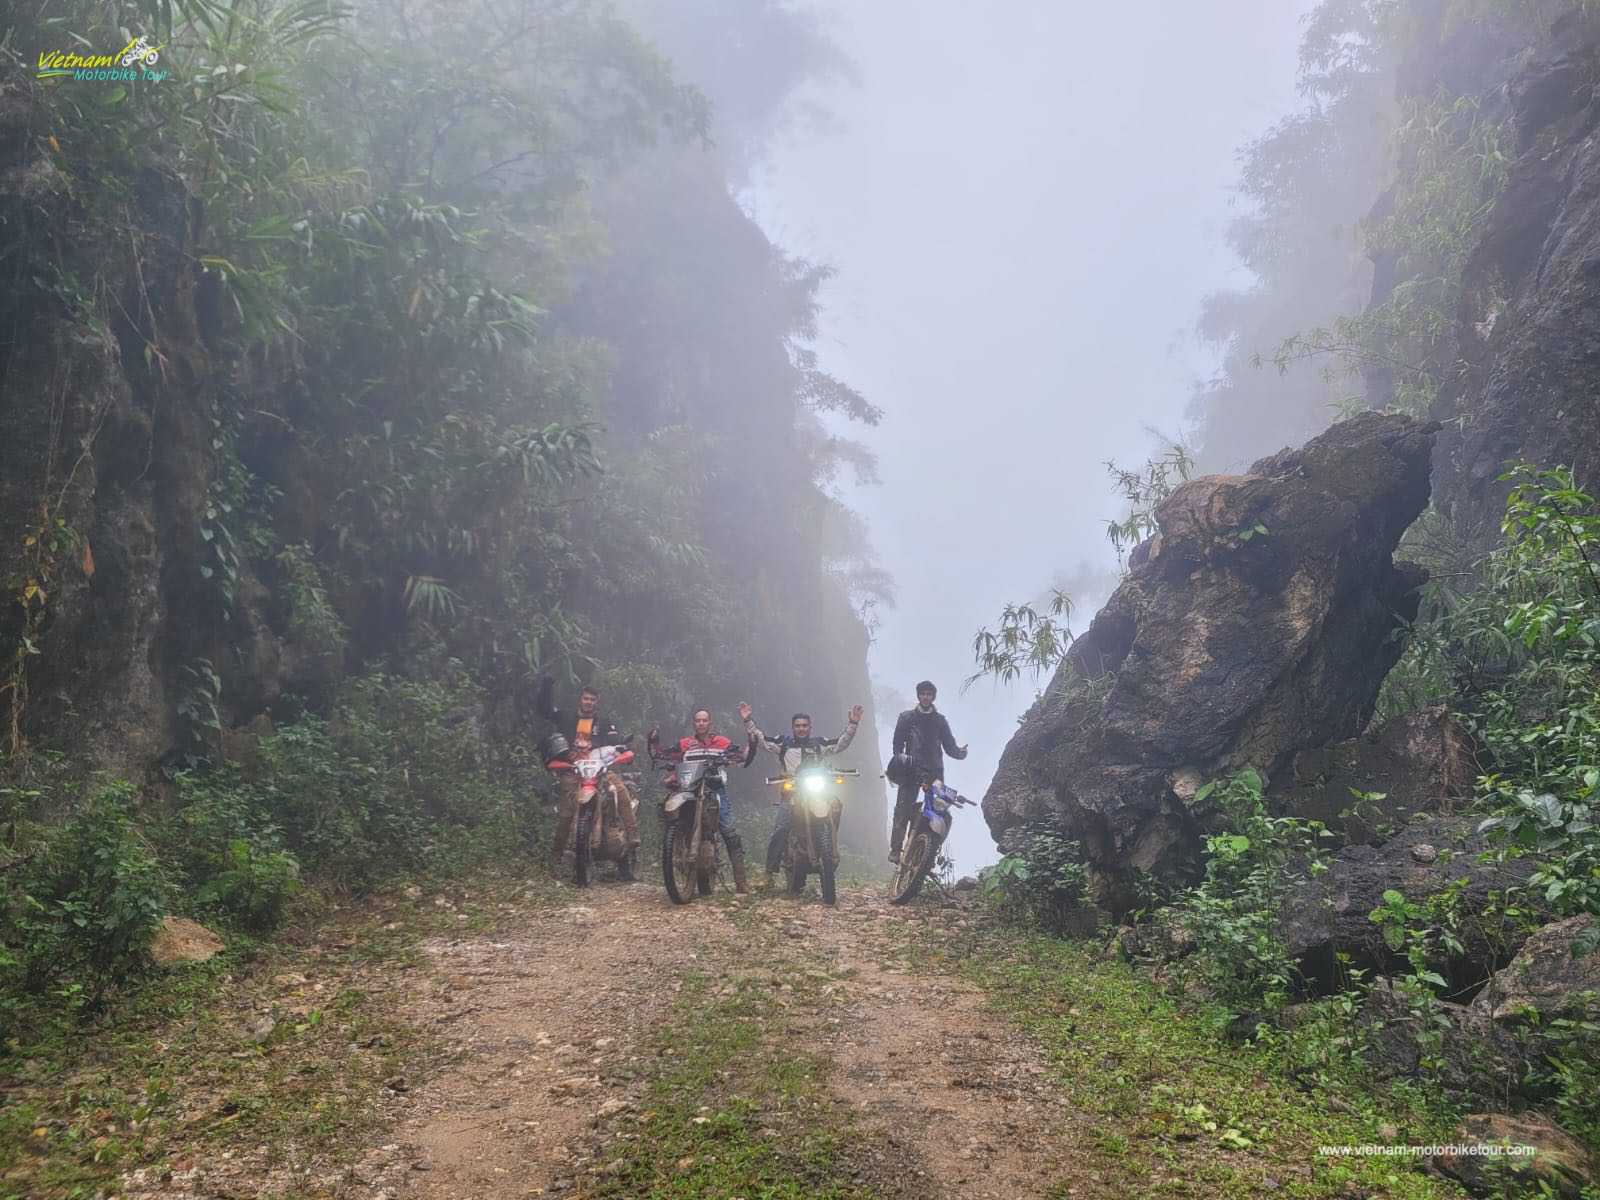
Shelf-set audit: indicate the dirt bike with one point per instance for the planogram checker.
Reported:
(813, 841)
(600, 830)
(691, 822)
(925, 833)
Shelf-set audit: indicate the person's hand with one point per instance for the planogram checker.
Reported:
(744, 711)
(963, 749)
(855, 714)
(653, 736)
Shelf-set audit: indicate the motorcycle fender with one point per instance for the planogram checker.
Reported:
(821, 807)
(677, 801)
(937, 825)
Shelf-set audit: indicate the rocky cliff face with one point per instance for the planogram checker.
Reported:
(1528, 332)
(1256, 624)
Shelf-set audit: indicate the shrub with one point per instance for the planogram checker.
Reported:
(230, 858)
(1232, 913)
(1040, 884)
(90, 902)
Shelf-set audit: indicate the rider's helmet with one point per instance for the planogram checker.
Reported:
(901, 770)
(554, 746)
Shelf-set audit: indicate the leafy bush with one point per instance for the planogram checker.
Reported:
(231, 860)
(398, 780)
(1232, 914)
(1041, 883)
(88, 903)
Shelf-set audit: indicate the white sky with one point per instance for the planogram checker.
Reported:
(1025, 209)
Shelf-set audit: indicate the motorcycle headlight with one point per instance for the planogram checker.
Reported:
(940, 804)
(816, 783)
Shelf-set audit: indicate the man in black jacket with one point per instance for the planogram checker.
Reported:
(924, 734)
(583, 730)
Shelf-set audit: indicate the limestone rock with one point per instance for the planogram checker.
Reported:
(1545, 978)
(180, 940)
(1255, 625)
(1559, 1162)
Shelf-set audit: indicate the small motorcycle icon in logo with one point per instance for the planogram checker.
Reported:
(142, 52)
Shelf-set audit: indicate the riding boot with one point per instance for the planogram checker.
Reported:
(736, 858)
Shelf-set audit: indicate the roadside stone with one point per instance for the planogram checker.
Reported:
(180, 940)
(1544, 979)
(1559, 1162)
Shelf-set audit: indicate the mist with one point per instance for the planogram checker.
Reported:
(1026, 214)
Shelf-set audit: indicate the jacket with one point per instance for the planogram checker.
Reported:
(926, 737)
(793, 753)
(601, 731)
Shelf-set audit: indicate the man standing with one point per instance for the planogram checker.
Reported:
(583, 731)
(794, 751)
(923, 734)
(705, 737)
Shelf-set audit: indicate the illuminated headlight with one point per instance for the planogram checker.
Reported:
(816, 783)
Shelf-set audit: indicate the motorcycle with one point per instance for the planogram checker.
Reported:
(813, 841)
(600, 830)
(925, 833)
(691, 823)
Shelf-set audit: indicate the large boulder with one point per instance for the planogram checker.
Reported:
(1545, 979)
(1327, 914)
(1368, 788)
(1254, 625)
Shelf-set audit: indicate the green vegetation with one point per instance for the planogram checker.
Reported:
(1163, 1099)
(735, 1107)
(385, 350)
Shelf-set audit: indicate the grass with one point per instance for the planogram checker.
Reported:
(1165, 1101)
(736, 1105)
(170, 1074)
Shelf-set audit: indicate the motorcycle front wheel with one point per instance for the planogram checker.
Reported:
(679, 869)
(580, 850)
(916, 860)
(826, 865)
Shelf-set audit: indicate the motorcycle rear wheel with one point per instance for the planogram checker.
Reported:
(916, 860)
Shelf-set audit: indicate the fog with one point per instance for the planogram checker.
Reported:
(1025, 213)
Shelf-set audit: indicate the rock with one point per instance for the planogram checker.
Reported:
(1326, 914)
(290, 979)
(1424, 853)
(1558, 1163)
(967, 883)
(1527, 335)
(1415, 764)
(1476, 1058)
(413, 892)
(1224, 647)
(1544, 978)
(180, 940)
(259, 1030)
(611, 1108)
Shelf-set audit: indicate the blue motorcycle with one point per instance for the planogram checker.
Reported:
(925, 833)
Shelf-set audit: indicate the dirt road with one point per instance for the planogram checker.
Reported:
(554, 1032)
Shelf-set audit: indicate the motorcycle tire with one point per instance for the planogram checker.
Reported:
(580, 851)
(916, 860)
(677, 881)
(826, 866)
